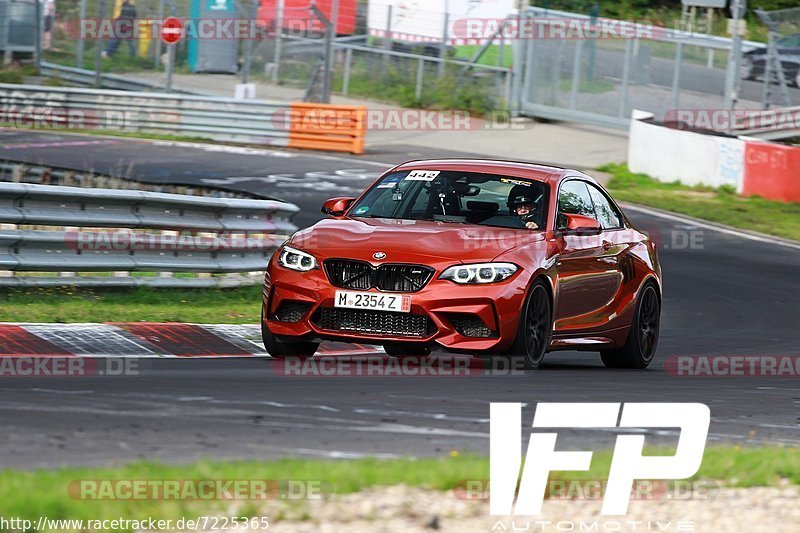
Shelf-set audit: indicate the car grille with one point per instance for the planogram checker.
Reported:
(373, 322)
(393, 278)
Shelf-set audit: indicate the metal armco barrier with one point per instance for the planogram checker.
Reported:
(86, 78)
(328, 127)
(194, 116)
(152, 232)
(225, 119)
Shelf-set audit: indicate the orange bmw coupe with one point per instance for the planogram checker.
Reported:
(489, 258)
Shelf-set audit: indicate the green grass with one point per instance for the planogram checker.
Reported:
(45, 492)
(721, 205)
(70, 305)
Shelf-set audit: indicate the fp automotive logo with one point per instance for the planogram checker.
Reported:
(628, 463)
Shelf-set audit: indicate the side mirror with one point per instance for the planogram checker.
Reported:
(337, 207)
(581, 225)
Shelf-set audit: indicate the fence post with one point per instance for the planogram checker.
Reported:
(98, 53)
(676, 75)
(248, 57)
(157, 33)
(738, 8)
(420, 78)
(276, 58)
(348, 60)
(387, 40)
(626, 72)
(576, 75)
(81, 41)
(443, 49)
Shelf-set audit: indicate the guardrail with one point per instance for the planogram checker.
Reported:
(87, 78)
(188, 115)
(119, 232)
(218, 118)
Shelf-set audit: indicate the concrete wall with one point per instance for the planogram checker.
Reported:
(692, 158)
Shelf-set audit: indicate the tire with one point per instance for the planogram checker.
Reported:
(535, 327)
(640, 346)
(281, 349)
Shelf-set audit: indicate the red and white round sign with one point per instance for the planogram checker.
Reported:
(172, 30)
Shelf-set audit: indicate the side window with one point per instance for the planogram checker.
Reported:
(608, 216)
(574, 199)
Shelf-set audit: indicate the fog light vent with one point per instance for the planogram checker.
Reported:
(470, 326)
(292, 311)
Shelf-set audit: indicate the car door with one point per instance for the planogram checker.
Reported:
(588, 276)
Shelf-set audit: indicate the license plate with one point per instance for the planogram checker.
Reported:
(373, 301)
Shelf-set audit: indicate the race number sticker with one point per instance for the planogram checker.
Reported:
(422, 175)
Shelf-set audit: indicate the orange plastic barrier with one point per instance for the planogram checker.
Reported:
(772, 171)
(328, 127)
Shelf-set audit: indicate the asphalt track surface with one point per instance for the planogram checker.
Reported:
(726, 295)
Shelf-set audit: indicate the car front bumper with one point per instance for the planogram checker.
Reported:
(449, 311)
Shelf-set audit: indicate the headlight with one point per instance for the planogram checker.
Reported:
(480, 273)
(294, 259)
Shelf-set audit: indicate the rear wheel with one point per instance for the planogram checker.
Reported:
(533, 335)
(281, 349)
(640, 346)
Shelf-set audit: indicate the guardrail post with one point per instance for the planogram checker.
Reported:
(68, 274)
(7, 273)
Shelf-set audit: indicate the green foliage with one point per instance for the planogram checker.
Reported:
(45, 492)
(722, 205)
(227, 306)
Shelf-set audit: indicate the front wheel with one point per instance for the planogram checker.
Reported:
(281, 349)
(533, 335)
(640, 346)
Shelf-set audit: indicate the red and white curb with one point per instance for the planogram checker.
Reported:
(143, 339)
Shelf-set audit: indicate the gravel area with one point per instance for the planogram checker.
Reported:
(403, 509)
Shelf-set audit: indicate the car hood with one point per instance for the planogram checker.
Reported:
(410, 241)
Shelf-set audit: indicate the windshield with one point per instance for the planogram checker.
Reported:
(457, 197)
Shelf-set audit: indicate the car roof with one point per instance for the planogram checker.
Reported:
(519, 169)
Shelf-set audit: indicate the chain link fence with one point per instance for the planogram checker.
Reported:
(601, 80)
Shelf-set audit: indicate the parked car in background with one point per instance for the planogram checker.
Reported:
(754, 62)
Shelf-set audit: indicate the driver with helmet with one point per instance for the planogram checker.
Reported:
(522, 203)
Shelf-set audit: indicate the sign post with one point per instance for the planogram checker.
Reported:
(171, 33)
